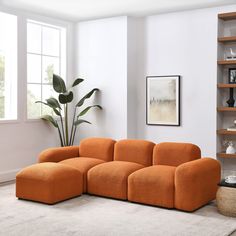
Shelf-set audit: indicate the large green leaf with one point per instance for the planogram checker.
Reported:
(58, 84)
(53, 102)
(66, 97)
(46, 104)
(80, 121)
(87, 109)
(88, 95)
(51, 120)
(77, 81)
(57, 112)
(51, 106)
(43, 103)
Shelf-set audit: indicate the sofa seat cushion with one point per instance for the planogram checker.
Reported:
(153, 185)
(48, 183)
(110, 179)
(83, 164)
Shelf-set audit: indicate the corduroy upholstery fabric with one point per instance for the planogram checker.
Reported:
(138, 151)
(58, 154)
(83, 164)
(175, 154)
(48, 183)
(110, 179)
(100, 148)
(196, 183)
(153, 185)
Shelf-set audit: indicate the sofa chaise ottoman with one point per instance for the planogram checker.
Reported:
(48, 183)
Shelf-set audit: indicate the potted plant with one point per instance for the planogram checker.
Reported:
(60, 109)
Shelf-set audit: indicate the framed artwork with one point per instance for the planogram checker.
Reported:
(163, 100)
(232, 75)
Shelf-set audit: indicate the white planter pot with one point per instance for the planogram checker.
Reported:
(230, 149)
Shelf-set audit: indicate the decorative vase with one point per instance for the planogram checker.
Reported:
(231, 97)
(230, 149)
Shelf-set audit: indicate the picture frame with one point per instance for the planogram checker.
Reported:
(163, 100)
(232, 75)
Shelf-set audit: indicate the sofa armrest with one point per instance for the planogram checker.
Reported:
(58, 154)
(196, 183)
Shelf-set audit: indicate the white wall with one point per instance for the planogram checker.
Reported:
(184, 43)
(102, 62)
(22, 140)
(133, 25)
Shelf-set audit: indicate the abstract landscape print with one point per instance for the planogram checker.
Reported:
(163, 100)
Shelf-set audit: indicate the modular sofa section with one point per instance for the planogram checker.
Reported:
(48, 183)
(196, 183)
(91, 152)
(153, 185)
(178, 179)
(111, 179)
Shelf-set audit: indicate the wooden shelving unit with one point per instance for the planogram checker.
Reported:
(225, 132)
(230, 39)
(223, 109)
(225, 155)
(225, 114)
(222, 85)
(227, 16)
(225, 62)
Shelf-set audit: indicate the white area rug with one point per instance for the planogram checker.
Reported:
(96, 216)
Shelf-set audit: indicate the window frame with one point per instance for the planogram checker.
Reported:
(16, 120)
(22, 17)
(41, 54)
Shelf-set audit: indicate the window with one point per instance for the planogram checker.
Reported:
(46, 54)
(8, 67)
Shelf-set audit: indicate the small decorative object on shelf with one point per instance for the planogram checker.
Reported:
(232, 128)
(231, 179)
(229, 147)
(232, 75)
(229, 54)
(231, 100)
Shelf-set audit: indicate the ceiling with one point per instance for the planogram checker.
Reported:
(76, 10)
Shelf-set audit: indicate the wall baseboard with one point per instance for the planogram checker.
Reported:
(8, 175)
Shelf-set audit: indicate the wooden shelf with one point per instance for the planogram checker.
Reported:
(227, 39)
(224, 62)
(224, 155)
(221, 85)
(222, 109)
(227, 16)
(225, 132)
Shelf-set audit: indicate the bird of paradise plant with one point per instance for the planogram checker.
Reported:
(65, 97)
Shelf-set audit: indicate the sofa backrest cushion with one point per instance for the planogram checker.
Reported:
(138, 151)
(175, 154)
(100, 148)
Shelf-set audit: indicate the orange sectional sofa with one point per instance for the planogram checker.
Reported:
(171, 175)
